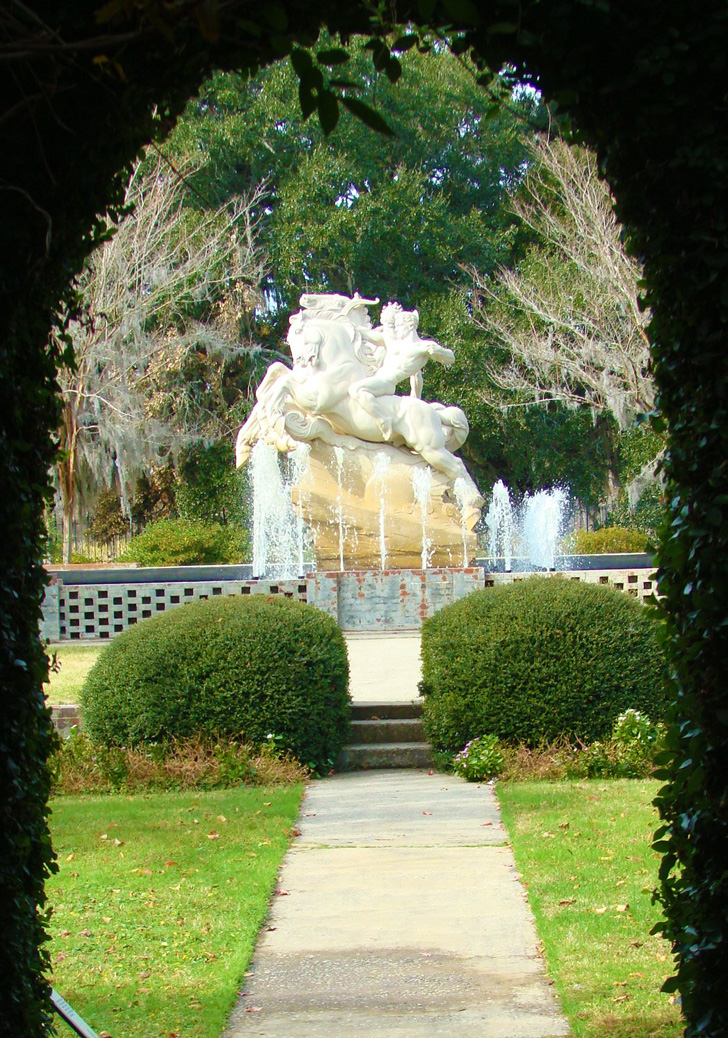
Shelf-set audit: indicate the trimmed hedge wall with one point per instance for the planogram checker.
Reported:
(251, 667)
(537, 660)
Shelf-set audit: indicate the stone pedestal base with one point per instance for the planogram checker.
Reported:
(362, 509)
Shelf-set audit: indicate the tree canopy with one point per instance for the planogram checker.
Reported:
(642, 84)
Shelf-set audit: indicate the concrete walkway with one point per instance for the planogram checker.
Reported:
(398, 913)
(383, 668)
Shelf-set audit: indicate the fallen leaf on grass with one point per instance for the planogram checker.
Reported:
(622, 998)
(221, 818)
(85, 933)
(69, 857)
(636, 944)
(267, 803)
(167, 864)
(213, 835)
(622, 908)
(65, 933)
(568, 901)
(600, 911)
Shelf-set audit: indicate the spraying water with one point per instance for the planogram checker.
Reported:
(381, 465)
(499, 521)
(339, 456)
(299, 461)
(422, 484)
(278, 527)
(461, 496)
(542, 523)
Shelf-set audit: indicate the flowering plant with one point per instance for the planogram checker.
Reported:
(480, 759)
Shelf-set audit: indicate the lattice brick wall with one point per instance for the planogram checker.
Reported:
(103, 610)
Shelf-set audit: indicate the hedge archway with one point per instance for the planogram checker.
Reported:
(86, 85)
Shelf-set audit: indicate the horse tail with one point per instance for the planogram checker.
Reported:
(454, 423)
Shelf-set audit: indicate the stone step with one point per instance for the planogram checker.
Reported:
(385, 755)
(385, 711)
(408, 729)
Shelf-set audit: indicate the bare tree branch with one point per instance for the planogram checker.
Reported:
(171, 284)
(568, 316)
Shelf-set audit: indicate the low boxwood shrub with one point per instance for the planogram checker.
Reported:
(539, 660)
(269, 670)
(608, 540)
(188, 542)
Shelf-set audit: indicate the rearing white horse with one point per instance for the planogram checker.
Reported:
(313, 400)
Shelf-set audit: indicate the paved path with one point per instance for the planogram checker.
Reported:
(403, 917)
(383, 668)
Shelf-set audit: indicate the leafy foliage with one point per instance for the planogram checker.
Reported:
(253, 667)
(81, 765)
(632, 80)
(537, 660)
(187, 542)
(607, 539)
(480, 759)
(208, 486)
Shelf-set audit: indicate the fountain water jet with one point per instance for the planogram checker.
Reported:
(339, 455)
(499, 521)
(278, 526)
(422, 485)
(542, 524)
(381, 467)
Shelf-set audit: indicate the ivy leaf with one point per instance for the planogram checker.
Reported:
(368, 116)
(462, 11)
(302, 61)
(328, 111)
(276, 17)
(502, 28)
(309, 89)
(380, 53)
(335, 56)
(393, 70)
(403, 43)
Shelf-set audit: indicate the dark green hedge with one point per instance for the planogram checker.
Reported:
(231, 666)
(539, 659)
(644, 84)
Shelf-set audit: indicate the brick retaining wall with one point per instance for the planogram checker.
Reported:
(359, 601)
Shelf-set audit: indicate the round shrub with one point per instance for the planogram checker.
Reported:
(608, 540)
(538, 660)
(268, 669)
(187, 542)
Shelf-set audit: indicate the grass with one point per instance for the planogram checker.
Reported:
(75, 661)
(583, 849)
(158, 902)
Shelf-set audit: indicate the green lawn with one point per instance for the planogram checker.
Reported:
(583, 849)
(158, 903)
(75, 663)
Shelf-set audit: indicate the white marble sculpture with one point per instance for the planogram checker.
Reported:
(342, 390)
